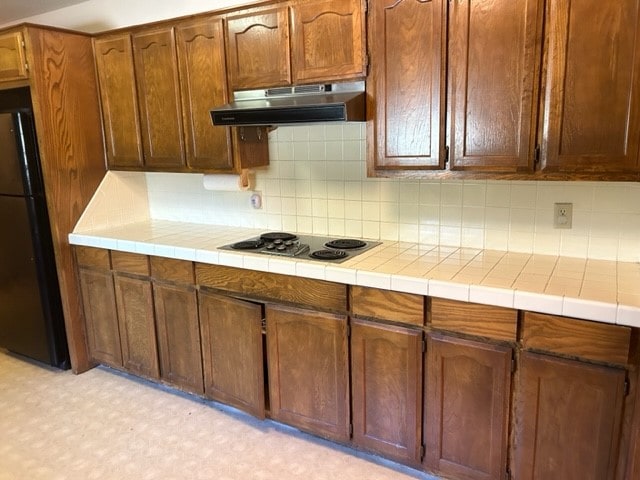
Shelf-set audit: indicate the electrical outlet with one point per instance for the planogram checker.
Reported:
(562, 215)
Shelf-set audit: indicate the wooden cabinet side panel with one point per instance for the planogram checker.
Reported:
(467, 394)
(154, 54)
(386, 375)
(203, 83)
(101, 316)
(327, 40)
(176, 312)
(232, 352)
(308, 365)
(258, 48)
(567, 419)
(590, 103)
(405, 87)
(493, 63)
(120, 116)
(13, 64)
(137, 326)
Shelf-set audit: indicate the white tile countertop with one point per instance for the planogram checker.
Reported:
(600, 290)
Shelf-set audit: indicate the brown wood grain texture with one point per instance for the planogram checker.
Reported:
(497, 323)
(103, 335)
(67, 116)
(467, 395)
(633, 455)
(576, 338)
(203, 84)
(134, 299)
(232, 354)
(319, 294)
(158, 86)
(178, 331)
(567, 419)
(307, 356)
(250, 146)
(387, 305)
(119, 104)
(327, 40)
(492, 71)
(93, 257)
(133, 263)
(172, 270)
(405, 87)
(13, 62)
(590, 82)
(386, 376)
(258, 51)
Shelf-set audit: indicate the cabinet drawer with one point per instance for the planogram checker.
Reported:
(272, 286)
(488, 321)
(387, 305)
(134, 263)
(576, 338)
(93, 257)
(171, 269)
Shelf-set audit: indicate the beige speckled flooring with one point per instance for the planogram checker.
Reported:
(106, 425)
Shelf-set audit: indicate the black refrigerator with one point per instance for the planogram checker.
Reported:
(31, 319)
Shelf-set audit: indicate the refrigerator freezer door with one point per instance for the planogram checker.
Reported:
(23, 325)
(10, 166)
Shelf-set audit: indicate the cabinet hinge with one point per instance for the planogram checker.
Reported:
(351, 429)
(536, 155)
(446, 155)
(348, 331)
(422, 452)
(367, 65)
(508, 475)
(366, 6)
(513, 361)
(626, 387)
(424, 346)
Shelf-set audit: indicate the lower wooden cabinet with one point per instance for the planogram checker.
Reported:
(568, 416)
(309, 370)
(467, 391)
(178, 330)
(134, 299)
(232, 352)
(386, 376)
(101, 316)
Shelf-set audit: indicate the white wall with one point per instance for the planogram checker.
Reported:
(316, 183)
(99, 15)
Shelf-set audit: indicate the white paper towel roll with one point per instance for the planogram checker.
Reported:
(228, 183)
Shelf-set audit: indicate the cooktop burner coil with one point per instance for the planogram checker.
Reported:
(278, 236)
(345, 243)
(329, 254)
(248, 245)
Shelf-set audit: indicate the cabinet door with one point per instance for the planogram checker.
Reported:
(327, 40)
(466, 396)
(13, 64)
(176, 309)
(567, 418)
(592, 74)
(232, 352)
(101, 316)
(154, 53)
(493, 65)
(120, 116)
(258, 48)
(137, 327)
(386, 376)
(406, 85)
(309, 370)
(203, 83)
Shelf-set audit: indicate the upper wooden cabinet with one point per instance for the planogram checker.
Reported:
(13, 64)
(591, 81)
(159, 97)
(157, 87)
(120, 116)
(536, 90)
(258, 48)
(296, 42)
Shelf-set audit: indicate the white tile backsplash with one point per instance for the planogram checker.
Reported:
(316, 183)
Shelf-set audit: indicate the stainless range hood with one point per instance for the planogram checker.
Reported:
(342, 102)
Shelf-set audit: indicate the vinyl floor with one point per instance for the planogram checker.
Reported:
(106, 425)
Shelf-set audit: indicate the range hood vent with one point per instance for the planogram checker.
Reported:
(342, 102)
